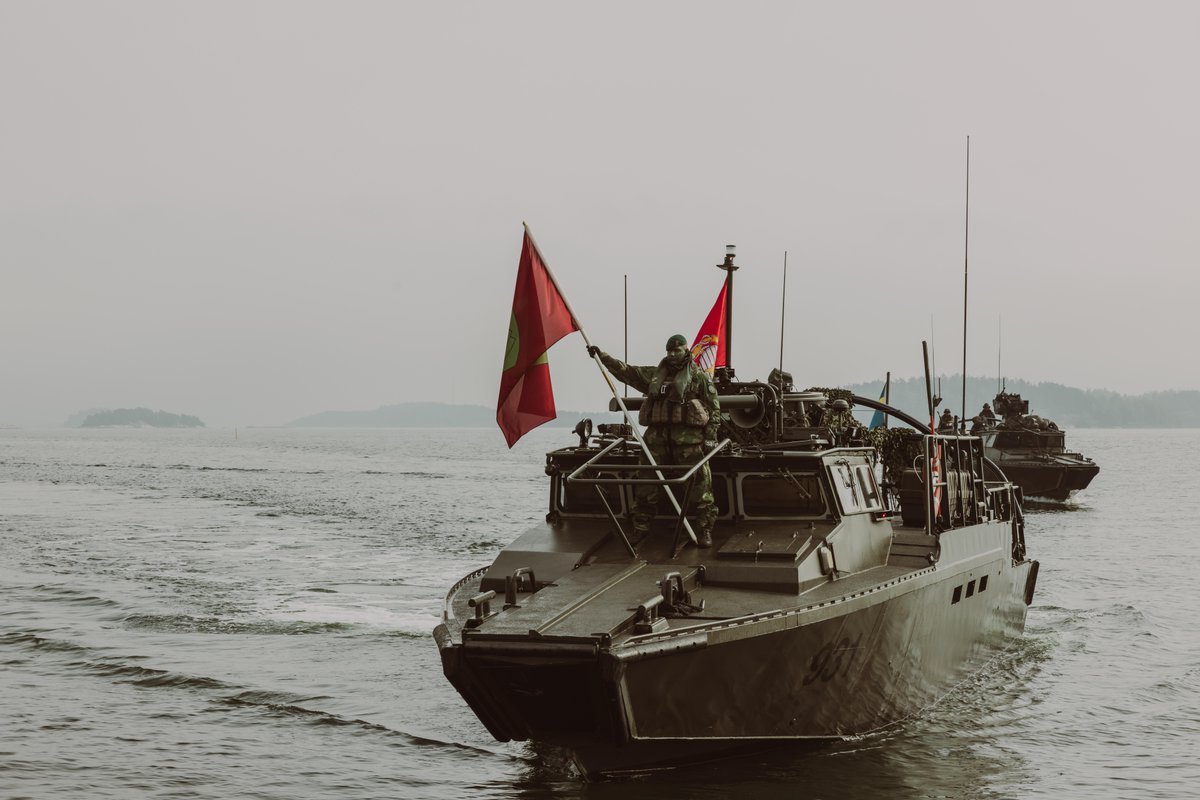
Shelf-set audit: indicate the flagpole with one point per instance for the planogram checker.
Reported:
(887, 396)
(612, 387)
(729, 268)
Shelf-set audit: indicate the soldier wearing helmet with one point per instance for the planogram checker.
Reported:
(681, 414)
(987, 416)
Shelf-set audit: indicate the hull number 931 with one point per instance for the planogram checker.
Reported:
(833, 659)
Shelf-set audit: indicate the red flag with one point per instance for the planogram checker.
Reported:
(708, 350)
(540, 318)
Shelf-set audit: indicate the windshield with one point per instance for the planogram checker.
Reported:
(785, 494)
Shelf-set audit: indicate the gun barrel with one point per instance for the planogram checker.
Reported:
(728, 402)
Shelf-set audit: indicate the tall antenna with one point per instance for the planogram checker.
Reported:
(625, 386)
(936, 398)
(932, 347)
(999, 346)
(966, 251)
(925, 350)
(782, 319)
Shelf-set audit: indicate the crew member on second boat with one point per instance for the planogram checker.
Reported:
(681, 414)
(988, 416)
(946, 423)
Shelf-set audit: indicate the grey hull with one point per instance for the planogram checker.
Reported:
(821, 669)
(1052, 479)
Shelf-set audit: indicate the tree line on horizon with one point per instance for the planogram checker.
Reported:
(140, 417)
(1066, 405)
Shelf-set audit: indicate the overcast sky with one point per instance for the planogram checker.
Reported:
(254, 211)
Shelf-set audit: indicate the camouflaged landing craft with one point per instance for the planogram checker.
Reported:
(830, 605)
(1032, 451)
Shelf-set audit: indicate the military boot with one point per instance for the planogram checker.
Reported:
(704, 538)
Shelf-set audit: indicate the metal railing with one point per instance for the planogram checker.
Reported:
(686, 480)
(969, 504)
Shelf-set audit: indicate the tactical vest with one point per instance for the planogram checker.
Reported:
(656, 411)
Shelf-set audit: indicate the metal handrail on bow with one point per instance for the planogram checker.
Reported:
(691, 469)
(686, 479)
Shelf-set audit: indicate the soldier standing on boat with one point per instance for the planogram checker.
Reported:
(987, 416)
(946, 423)
(681, 414)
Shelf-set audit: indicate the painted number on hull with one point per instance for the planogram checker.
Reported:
(833, 659)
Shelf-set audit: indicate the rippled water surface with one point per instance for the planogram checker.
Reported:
(186, 614)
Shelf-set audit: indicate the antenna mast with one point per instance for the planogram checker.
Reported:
(625, 386)
(937, 398)
(782, 320)
(932, 347)
(966, 251)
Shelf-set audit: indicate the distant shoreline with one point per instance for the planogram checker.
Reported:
(1067, 406)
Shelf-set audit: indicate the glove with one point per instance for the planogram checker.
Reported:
(709, 444)
(593, 351)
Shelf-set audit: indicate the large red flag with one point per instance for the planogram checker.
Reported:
(708, 350)
(540, 318)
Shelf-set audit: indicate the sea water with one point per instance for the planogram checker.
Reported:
(199, 614)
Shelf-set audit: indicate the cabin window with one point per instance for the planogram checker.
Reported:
(581, 498)
(983, 583)
(856, 487)
(795, 494)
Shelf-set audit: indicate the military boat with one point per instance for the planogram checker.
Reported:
(850, 585)
(1031, 450)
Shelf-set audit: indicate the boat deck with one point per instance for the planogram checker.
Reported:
(602, 598)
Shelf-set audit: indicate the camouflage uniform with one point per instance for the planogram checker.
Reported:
(674, 442)
(987, 416)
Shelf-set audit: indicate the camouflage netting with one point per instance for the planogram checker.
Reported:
(898, 448)
(835, 394)
(831, 418)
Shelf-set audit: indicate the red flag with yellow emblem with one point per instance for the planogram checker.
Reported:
(540, 317)
(708, 350)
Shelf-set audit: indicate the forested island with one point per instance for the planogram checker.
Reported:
(139, 418)
(1067, 406)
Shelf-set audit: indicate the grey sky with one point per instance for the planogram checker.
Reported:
(253, 211)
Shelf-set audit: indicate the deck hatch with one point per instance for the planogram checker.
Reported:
(767, 544)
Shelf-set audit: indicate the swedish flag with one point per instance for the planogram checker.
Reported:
(879, 420)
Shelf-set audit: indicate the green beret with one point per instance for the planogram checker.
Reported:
(676, 341)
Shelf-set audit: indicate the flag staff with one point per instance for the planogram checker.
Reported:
(729, 267)
(637, 434)
(887, 396)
